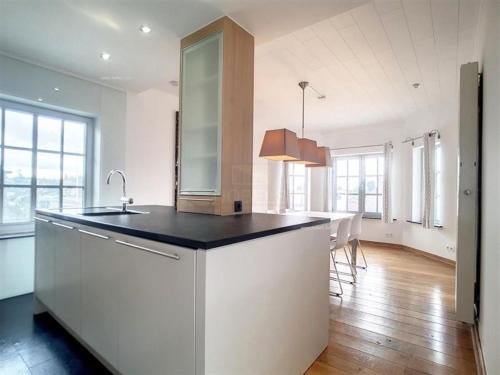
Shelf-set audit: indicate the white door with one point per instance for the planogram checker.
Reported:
(99, 292)
(156, 331)
(67, 274)
(468, 197)
(44, 261)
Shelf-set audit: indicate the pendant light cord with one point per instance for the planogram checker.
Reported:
(303, 85)
(303, 109)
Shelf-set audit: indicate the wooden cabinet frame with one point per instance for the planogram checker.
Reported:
(237, 122)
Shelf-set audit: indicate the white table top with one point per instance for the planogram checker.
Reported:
(334, 216)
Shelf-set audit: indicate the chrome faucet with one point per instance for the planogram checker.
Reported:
(124, 199)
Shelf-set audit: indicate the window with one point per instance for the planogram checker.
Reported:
(358, 183)
(44, 163)
(297, 186)
(417, 193)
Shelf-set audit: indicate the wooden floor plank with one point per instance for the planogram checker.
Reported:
(398, 318)
(406, 347)
(419, 322)
(461, 340)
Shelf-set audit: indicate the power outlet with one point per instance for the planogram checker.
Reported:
(238, 206)
(450, 248)
(388, 235)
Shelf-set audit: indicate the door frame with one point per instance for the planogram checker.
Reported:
(468, 193)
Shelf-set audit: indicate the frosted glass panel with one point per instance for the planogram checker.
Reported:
(201, 117)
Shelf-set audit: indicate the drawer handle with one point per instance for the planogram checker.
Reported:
(40, 219)
(94, 234)
(62, 225)
(172, 256)
(198, 199)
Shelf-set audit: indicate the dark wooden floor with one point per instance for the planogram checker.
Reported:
(398, 319)
(36, 345)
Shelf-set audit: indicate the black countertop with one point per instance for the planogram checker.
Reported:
(197, 231)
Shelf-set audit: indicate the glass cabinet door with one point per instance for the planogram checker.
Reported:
(200, 135)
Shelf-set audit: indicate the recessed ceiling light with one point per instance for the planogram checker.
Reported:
(40, 99)
(105, 56)
(56, 88)
(416, 85)
(145, 29)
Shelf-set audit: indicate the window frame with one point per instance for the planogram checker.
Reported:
(362, 180)
(8, 229)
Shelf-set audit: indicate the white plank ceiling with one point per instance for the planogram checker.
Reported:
(365, 62)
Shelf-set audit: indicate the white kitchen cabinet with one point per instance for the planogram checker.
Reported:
(99, 283)
(156, 332)
(44, 261)
(67, 274)
(151, 308)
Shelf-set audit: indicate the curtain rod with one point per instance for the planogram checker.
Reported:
(365, 146)
(410, 139)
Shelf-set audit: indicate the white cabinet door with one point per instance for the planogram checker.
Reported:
(99, 287)
(44, 261)
(156, 308)
(201, 117)
(67, 274)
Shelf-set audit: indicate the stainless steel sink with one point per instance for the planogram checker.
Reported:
(105, 211)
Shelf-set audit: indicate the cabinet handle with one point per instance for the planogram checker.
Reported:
(40, 219)
(94, 234)
(198, 199)
(172, 256)
(63, 225)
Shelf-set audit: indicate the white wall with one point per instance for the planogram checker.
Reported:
(20, 80)
(150, 146)
(489, 326)
(264, 181)
(17, 262)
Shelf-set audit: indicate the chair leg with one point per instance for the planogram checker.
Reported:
(341, 273)
(353, 273)
(347, 263)
(363, 254)
(338, 278)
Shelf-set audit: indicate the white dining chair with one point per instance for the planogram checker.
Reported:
(339, 243)
(355, 234)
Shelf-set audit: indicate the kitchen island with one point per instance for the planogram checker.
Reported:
(157, 291)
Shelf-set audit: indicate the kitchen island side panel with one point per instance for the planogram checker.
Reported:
(266, 304)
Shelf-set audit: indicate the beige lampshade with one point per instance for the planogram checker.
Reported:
(308, 151)
(325, 159)
(280, 144)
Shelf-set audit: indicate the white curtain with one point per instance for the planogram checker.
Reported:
(429, 179)
(277, 187)
(387, 215)
(284, 198)
(328, 202)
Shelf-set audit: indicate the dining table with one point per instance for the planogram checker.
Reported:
(335, 218)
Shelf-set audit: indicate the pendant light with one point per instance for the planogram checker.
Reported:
(308, 148)
(280, 144)
(325, 159)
